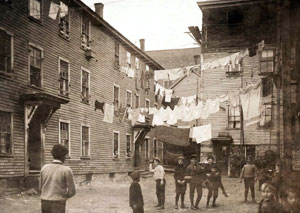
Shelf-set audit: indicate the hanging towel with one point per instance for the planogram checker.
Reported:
(157, 88)
(250, 101)
(157, 118)
(108, 113)
(179, 111)
(205, 110)
(133, 115)
(168, 95)
(161, 75)
(53, 11)
(202, 133)
(223, 98)
(141, 118)
(161, 92)
(188, 113)
(63, 10)
(234, 98)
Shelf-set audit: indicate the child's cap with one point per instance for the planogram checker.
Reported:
(135, 175)
(180, 158)
(157, 159)
(193, 156)
(269, 186)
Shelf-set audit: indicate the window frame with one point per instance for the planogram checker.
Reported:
(128, 59)
(66, 32)
(83, 45)
(269, 123)
(117, 53)
(41, 11)
(29, 64)
(11, 135)
(139, 98)
(11, 52)
(261, 60)
(130, 145)
(69, 74)
(85, 99)
(119, 97)
(113, 145)
(147, 148)
(236, 71)
(128, 92)
(235, 122)
(69, 130)
(81, 147)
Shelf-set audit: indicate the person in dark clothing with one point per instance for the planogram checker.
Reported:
(213, 183)
(210, 161)
(197, 176)
(136, 201)
(180, 182)
(277, 179)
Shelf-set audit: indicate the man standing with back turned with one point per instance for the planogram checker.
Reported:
(57, 184)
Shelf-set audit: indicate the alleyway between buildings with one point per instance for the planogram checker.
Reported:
(112, 197)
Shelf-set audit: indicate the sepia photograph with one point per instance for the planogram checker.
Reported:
(155, 106)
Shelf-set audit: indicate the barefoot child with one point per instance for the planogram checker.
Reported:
(136, 201)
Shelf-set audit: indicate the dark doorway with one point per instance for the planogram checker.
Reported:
(222, 156)
(34, 146)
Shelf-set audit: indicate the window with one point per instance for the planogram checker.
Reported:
(64, 20)
(64, 134)
(35, 9)
(266, 115)
(128, 146)
(117, 53)
(6, 52)
(147, 103)
(128, 59)
(128, 98)
(137, 101)
(116, 144)
(238, 68)
(234, 119)
(147, 68)
(267, 61)
(85, 141)
(147, 148)
(116, 96)
(5, 133)
(85, 32)
(35, 65)
(85, 85)
(64, 75)
(155, 148)
(137, 63)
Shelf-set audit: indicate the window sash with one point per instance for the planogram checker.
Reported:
(5, 133)
(137, 101)
(85, 31)
(85, 141)
(35, 9)
(85, 90)
(116, 144)
(5, 51)
(234, 118)
(128, 143)
(116, 96)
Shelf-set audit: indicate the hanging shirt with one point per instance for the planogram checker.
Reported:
(250, 101)
(178, 110)
(157, 88)
(172, 118)
(214, 106)
(134, 116)
(157, 118)
(168, 95)
(205, 110)
(188, 113)
(198, 110)
(108, 113)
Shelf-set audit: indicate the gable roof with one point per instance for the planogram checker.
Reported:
(183, 77)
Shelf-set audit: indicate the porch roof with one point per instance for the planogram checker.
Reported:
(38, 98)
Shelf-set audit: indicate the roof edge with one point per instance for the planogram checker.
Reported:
(210, 4)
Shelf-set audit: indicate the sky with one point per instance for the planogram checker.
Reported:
(162, 23)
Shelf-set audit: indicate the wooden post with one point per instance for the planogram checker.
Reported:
(198, 146)
(286, 87)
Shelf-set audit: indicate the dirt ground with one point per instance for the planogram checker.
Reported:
(112, 197)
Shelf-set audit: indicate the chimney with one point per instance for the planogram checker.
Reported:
(99, 9)
(142, 44)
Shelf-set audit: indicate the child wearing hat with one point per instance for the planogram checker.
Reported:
(196, 176)
(159, 177)
(249, 175)
(213, 182)
(180, 182)
(269, 204)
(136, 201)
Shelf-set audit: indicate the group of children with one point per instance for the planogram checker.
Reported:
(276, 197)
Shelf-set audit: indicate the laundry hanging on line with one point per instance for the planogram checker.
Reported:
(108, 113)
(201, 133)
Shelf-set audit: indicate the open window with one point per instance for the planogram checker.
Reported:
(85, 32)
(64, 20)
(35, 9)
(234, 118)
(117, 53)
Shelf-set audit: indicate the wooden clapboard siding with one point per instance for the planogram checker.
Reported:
(103, 75)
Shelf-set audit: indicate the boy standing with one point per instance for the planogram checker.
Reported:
(180, 183)
(57, 184)
(214, 182)
(249, 175)
(159, 177)
(136, 200)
